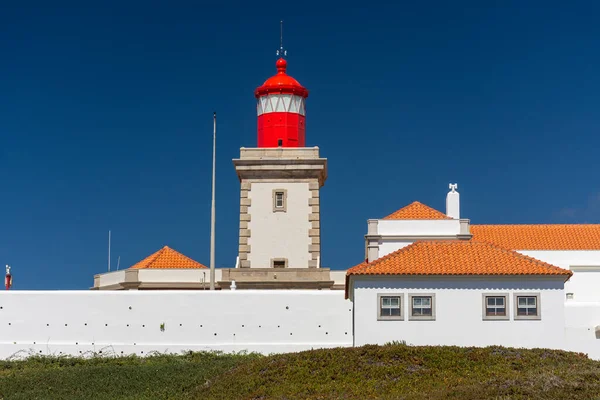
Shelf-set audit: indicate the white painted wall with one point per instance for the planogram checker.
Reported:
(459, 312)
(279, 234)
(128, 322)
(581, 320)
(388, 246)
(585, 285)
(178, 275)
(437, 227)
(112, 278)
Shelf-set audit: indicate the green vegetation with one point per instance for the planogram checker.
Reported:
(393, 371)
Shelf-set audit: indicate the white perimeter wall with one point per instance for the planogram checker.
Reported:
(279, 234)
(459, 313)
(128, 322)
(585, 285)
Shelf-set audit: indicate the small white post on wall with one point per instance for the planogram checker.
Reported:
(453, 202)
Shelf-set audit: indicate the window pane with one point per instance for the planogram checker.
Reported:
(267, 107)
(417, 311)
(522, 301)
(531, 301)
(416, 301)
(294, 104)
(426, 311)
(385, 312)
(491, 301)
(521, 311)
(426, 301)
(301, 108)
(395, 312)
(286, 99)
(394, 301)
(281, 107)
(386, 301)
(263, 103)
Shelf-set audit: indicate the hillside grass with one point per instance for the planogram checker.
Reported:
(393, 371)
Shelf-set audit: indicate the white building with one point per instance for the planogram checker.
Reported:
(433, 278)
(458, 292)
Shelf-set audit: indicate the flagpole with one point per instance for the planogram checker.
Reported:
(212, 209)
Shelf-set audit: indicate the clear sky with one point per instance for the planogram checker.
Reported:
(106, 120)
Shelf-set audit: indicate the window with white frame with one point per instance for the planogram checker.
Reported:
(422, 306)
(527, 306)
(389, 306)
(279, 200)
(495, 306)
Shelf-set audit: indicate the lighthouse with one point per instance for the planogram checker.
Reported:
(280, 182)
(281, 110)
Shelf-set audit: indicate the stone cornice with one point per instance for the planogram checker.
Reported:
(418, 237)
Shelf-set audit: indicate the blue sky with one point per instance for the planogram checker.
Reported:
(106, 120)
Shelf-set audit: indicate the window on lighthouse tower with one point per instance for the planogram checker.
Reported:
(279, 200)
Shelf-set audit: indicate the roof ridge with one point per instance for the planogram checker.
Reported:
(437, 213)
(156, 255)
(184, 256)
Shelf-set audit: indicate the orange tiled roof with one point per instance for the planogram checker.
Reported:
(540, 237)
(167, 258)
(417, 210)
(456, 257)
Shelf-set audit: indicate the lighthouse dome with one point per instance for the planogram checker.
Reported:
(281, 83)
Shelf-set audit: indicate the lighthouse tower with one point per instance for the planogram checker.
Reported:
(280, 224)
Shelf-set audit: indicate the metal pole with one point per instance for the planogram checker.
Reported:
(212, 209)
(108, 251)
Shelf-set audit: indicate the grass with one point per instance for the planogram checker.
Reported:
(393, 371)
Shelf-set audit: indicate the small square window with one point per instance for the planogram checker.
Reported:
(495, 306)
(422, 307)
(389, 306)
(527, 306)
(279, 200)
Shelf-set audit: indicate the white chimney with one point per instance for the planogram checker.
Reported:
(453, 202)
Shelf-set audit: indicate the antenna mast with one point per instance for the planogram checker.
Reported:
(281, 52)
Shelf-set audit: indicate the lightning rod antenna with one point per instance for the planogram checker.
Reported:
(281, 52)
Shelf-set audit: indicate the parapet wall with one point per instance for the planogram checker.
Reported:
(139, 322)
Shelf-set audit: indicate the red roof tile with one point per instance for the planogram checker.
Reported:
(456, 257)
(167, 258)
(417, 210)
(540, 237)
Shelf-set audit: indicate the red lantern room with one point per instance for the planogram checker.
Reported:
(281, 110)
